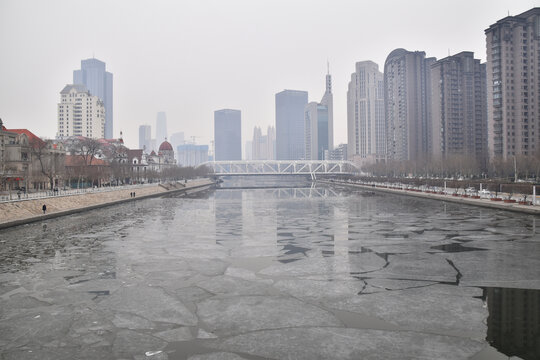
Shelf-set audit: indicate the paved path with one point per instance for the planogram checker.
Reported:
(21, 212)
(529, 209)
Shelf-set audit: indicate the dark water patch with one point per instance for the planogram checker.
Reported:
(286, 261)
(514, 321)
(455, 248)
(291, 249)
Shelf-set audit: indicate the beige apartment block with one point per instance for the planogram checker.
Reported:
(80, 113)
(458, 107)
(407, 87)
(513, 85)
(366, 133)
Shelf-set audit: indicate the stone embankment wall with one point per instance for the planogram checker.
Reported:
(21, 212)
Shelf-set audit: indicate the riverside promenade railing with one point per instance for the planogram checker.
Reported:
(456, 192)
(16, 196)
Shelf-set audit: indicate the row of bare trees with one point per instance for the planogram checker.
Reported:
(456, 166)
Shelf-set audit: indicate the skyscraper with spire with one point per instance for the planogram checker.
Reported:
(319, 125)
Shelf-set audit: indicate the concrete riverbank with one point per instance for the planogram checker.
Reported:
(22, 212)
(483, 202)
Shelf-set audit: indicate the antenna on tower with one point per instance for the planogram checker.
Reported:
(327, 67)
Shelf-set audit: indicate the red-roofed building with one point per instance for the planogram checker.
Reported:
(28, 162)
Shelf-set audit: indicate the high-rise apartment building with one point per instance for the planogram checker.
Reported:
(192, 155)
(366, 127)
(228, 134)
(290, 106)
(407, 96)
(80, 113)
(145, 137)
(318, 125)
(161, 127)
(100, 83)
(513, 80)
(459, 108)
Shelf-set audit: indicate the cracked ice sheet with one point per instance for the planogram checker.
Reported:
(151, 303)
(130, 343)
(497, 269)
(324, 266)
(417, 267)
(233, 315)
(35, 328)
(234, 286)
(438, 308)
(317, 290)
(345, 344)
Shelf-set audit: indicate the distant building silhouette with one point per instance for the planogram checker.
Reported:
(339, 152)
(513, 85)
(145, 137)
(161, 127)
(228, 134)
(263, 146)
(248, 150)
(290, 106)
(100, 83)
(366, 126)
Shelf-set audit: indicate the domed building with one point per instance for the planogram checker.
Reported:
(163, 159)
(166, 151)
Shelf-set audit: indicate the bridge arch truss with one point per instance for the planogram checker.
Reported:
(282, 167)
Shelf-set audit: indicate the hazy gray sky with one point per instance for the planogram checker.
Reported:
(189, 58)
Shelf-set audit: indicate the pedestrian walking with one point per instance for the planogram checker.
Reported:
(44, 208)
(134, 194)
(19, 194)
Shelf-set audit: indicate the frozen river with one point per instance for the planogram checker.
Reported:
(273, 273)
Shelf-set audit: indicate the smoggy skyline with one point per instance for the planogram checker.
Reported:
(190, 58)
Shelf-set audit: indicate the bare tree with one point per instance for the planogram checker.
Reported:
(86, 148)
(50, 162)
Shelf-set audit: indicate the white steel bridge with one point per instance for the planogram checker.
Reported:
(281, 167)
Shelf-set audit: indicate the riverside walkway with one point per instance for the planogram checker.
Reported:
(447, 195)
(24, 211)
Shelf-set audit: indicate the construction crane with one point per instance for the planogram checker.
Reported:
(193, 139)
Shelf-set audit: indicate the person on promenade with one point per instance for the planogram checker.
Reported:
(19, 194)
(44, 208)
